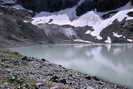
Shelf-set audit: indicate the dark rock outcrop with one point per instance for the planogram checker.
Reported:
(59, 34)
(68, 34)
(130, 14)
(100, 5)
(15, 28)
(87, 5)
(106, 5)
(123, 29)
(131, 2)
(19, 14)
(47, 5)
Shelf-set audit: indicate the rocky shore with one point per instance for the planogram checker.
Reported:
(21, 72)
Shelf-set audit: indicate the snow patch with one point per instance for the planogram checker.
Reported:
(80, 40)
(117, 35)
(88, 32)
(18, 7)
(62, 19)
(130, 40)
(68, 32)
(26, 21)
(105, 23)
(108, 40)
(88, 19)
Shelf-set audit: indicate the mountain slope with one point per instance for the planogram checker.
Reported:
(15, 30)
(85, 20)
(92, 19)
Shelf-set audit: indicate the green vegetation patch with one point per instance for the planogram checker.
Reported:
(9, 53)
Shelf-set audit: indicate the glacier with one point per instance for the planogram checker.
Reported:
(91, 18)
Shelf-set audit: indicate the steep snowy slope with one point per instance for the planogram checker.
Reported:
(91, 18)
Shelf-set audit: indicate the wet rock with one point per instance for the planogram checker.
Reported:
(95, 78)
(130, 14)
(92, 78)
(55, 79)
(25, 58)
(43, 59)
(63, 81)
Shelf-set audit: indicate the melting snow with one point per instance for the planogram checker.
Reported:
(80, 40)
(108, 40)
(91, 18)
(88, 32)
(117, 35)
(130, 40)
(69, 32)
(62, 19)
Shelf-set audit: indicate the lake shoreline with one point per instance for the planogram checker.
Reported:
(62, 44)
(41, 73)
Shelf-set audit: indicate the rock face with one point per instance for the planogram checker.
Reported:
(132, 2)
(119, 32)
(47, 5)
(100, 5)
(86, 5)
(15, 28)
(67, 34)
(106, 5)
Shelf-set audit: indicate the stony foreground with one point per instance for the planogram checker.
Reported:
(21, 72)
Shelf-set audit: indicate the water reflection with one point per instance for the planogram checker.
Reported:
(110, 62)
